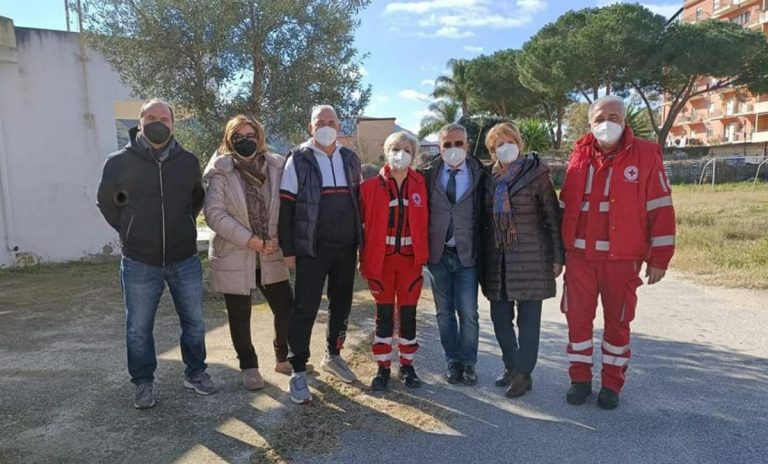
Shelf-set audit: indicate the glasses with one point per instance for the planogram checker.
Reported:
(457, 144)
(237, 137)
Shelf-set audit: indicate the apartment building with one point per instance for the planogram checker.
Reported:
(732, 115)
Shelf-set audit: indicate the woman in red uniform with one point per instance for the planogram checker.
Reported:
(394, 213)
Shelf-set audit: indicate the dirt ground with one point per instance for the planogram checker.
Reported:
(697, 391)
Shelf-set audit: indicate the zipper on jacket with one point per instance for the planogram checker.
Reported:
(162, 204)
(128, 231)
(333, 171)
(400, 213)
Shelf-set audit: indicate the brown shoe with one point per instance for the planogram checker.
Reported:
(520, 384)
(284, 367)
(252, 379)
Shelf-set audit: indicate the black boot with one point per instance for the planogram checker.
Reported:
(578, 393)
(469, 376)
(607, 399)
(379, 383)
(454, 372)
(520, 384)
(408, 375)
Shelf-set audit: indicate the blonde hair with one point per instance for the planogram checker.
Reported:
(401, 136)
(234, 125)
(502, 130)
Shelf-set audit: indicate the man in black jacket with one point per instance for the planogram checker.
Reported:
(320, 231)
(150, 193)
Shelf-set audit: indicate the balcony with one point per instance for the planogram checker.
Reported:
(729, 8)
(692, 118)
(761, 136)
(741, 110)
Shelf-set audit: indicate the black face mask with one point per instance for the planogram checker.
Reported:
(245, 147)
(157, 132)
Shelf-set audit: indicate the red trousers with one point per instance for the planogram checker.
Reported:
(396, 295)
(616, 283)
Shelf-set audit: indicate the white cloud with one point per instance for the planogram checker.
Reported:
(456, 18)
(428, 82)
(473, 49)
(361, 69)
(532, 5)
(381, 98)
(415, 95)
(666, 9)
(448, 32)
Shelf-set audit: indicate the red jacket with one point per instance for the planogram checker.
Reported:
(641, 218)
(374, 211)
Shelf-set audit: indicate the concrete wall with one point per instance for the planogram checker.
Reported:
(57, 123)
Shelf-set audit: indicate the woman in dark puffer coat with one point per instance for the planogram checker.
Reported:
(523, 251)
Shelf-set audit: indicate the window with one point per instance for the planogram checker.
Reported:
(715, 4)
(710, 132)
(699, 14)
(742, 19)
(711, 107)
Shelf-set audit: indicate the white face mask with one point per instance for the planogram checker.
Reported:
(507, 153)
(325, 136)
(453, 157)
(399, 160)
(608, 132)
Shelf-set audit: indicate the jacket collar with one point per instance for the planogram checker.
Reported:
(137, 147)
(412, 175)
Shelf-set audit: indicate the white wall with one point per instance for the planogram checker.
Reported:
(57, 122)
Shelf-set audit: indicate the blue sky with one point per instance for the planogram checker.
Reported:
(408, 42)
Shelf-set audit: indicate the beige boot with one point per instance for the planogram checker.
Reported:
(252, 379)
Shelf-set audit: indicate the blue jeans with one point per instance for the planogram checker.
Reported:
(518, 352)
(143, 286)
(454, 288)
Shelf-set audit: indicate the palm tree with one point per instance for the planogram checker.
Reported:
(455, 86)
(637, 119)
(536, 135)
(442, 112)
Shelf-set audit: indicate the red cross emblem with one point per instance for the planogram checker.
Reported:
(631, 173)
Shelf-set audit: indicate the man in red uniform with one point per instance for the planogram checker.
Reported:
(618, 214)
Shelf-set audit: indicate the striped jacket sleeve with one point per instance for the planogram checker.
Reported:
(289, 187)
(661, 216)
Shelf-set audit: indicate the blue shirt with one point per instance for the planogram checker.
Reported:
(463, 184)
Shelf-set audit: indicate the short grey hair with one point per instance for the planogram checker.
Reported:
(450, 128)
(152, 102)
(401, 136)
(316, 110)
(607, 99)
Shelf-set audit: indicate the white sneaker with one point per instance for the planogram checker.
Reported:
(334, 364)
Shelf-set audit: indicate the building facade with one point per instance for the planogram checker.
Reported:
(61, 106)
(732, 115)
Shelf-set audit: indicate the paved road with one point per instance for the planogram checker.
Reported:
(697, 391)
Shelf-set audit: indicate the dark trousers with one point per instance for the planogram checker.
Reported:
(518, 352)
(279, 297)
(339, 267)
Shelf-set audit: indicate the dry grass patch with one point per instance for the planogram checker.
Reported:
(722, 235)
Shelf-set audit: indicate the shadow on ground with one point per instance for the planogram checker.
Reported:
(65, 395)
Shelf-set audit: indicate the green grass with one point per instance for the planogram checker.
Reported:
(722, 234)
